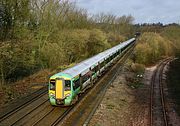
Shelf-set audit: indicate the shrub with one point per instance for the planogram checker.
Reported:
(152, 47)
(114, 39)
(138, 68)
(97, 42)
(72, 46)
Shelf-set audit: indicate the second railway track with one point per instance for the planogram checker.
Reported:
(158, 114)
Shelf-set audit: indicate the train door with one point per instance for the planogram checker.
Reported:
(59, 89)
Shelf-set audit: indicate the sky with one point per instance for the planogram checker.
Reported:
(144, 11)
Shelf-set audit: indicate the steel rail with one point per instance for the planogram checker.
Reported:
(21, 106)
(30, 112)
(159, 69)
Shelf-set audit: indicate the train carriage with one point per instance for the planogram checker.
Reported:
(65, 86)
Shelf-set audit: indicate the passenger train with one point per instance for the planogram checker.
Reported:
(64, 87)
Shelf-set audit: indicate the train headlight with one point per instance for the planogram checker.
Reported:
(67, 95)
(51, 94)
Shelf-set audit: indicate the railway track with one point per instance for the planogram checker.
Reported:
(158, 113)
(21, 103)
(37, 111)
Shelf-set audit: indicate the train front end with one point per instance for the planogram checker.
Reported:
(60, 90)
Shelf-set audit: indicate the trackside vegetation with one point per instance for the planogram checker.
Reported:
(37, 35)
(152, 47)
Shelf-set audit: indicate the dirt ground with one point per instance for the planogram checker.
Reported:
(124, 105)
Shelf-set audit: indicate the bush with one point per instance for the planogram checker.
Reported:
(172, 33)
(72, 46)
(138, 68)
(17, 60)
(114, 39)
(152, 47)
(97, 42)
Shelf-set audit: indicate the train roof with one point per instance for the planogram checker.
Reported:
(83, 66)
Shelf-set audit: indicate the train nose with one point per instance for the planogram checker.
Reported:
(59, 88)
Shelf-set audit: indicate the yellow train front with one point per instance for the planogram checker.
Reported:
(61, 91)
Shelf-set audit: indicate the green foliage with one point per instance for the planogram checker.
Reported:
(72, 46)
(172, 33)
(114, 39)
(16, 60)
(97, 42)
(13, 13)
(143, 53)
(152, 47)
(67, 47)
(36, 35)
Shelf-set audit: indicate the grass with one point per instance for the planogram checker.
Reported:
(135, 82)
(136, 85)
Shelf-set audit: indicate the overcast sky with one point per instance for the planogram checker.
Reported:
(144, 11)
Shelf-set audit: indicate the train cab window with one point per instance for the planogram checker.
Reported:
(67, 85)
(52, 84)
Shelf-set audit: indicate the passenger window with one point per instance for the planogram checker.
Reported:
(95, 69)
(76, 84)
(86, 76)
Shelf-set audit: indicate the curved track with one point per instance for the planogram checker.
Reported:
(158, 114)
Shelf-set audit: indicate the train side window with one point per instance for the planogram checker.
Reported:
(76, 84)
(86, 76)
(102, 64)
(95, 69)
